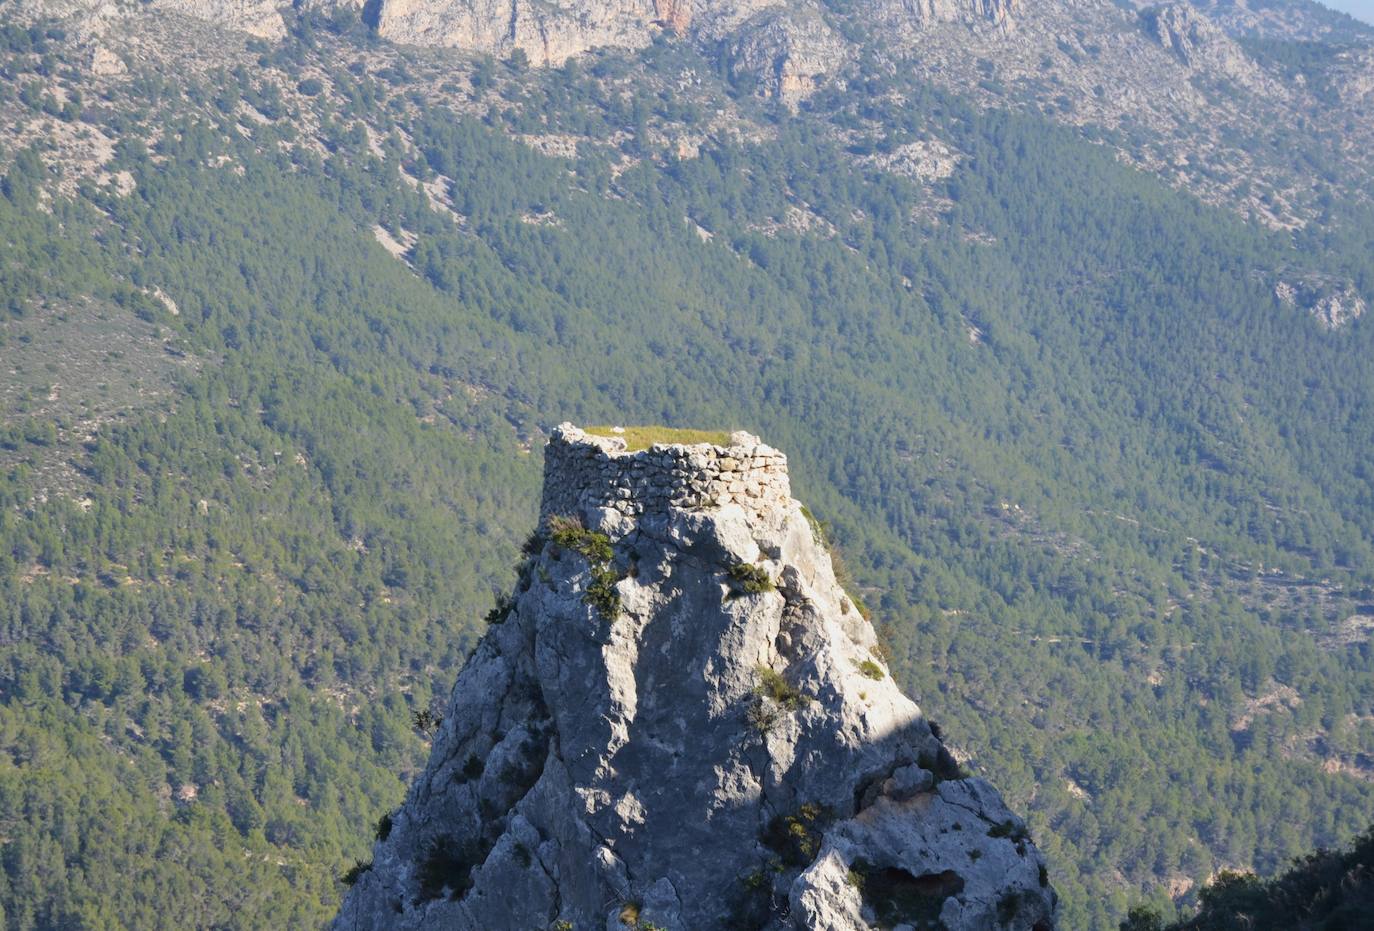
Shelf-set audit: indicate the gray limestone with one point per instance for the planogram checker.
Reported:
(708, 757)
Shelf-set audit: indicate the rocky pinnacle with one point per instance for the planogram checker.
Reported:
(680, 720)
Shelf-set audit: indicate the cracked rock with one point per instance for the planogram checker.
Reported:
(654, 754)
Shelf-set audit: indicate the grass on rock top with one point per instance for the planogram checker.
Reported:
(637, 438)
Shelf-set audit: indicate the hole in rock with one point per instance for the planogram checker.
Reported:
(897, 897)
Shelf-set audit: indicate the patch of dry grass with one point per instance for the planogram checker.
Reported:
(637, 438)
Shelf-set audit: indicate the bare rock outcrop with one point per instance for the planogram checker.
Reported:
(921, 160)
(680, 720)
(1353, 77)
(1201, 45)
(1332, 303)
(1300, 22)
(548, 32)
(261, 18)
(788, 52)
(915, 13)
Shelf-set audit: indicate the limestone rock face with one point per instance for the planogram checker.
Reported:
(550, 31)
(105, 62)
(1353, 77)
(1332, 303)
(1193, 39)
(922, 12)
(1338, 309)
(547, 32)
(788, 45)
(680, 720)
(995, 11)
(262, 18)
(787, 51)
(1203, 47)
(921, 160)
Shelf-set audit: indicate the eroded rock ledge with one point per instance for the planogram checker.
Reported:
(681, 720)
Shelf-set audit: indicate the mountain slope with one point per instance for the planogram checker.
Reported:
(1095, 474)
(1261, 109)
(1323, 890)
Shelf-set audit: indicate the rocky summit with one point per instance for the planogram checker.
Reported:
(681, 720)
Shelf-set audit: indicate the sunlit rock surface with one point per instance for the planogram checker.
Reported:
(723, 749)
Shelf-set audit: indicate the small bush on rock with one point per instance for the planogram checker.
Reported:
(749, 580)
(1010, 906)
(758, 879)
(631, 918)
(753, 904)
(447, 864)
(601, 594)
(883, 648)
(569, 533)
(426, 722)
(355, 872)
(1014, 832)
(773, 686)
(763, 716)
(856, 879)
(774, 696)
(472, 767)
(871, 669)
(502, 609)
(796, 838)
(1010, 830)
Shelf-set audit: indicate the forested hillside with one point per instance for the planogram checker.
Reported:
(1322, 891)
(275, 391)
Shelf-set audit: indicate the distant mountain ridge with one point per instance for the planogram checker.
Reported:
(1208, 92)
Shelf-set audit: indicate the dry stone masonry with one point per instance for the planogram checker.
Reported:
(584, 472)
(680, 720)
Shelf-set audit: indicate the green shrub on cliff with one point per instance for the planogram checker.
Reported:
(596, 548)
(749, 580)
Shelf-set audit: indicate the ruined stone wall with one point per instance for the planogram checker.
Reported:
(583, 472)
